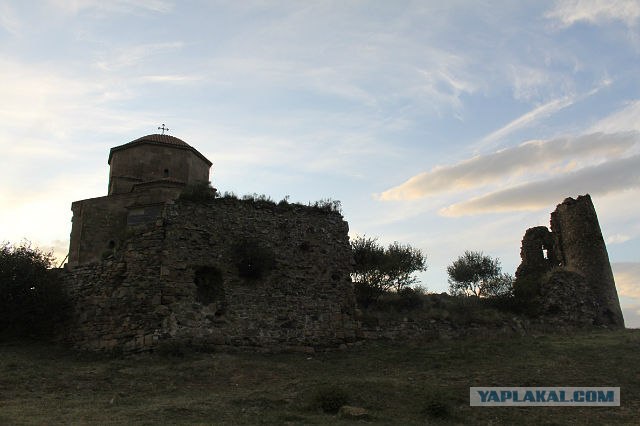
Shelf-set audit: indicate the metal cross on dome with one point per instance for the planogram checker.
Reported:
(163, 128)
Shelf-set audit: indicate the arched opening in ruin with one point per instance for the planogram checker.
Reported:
(166, 172)
(545, 253)
(210, 287)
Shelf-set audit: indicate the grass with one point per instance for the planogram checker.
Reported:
(412, 383)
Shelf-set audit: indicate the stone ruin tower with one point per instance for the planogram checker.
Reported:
(571, 267)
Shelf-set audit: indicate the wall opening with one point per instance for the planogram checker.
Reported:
(166, 172)
(210, 287)
(253, 260)
(545, 253)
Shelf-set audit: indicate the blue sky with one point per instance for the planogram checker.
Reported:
(450, 126)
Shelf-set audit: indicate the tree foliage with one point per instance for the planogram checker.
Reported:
(474, 274)
(31, 298)
(378, 269)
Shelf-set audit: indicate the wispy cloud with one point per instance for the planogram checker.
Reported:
(112, 6)
(538, 113)
(534, 157)
(611, 176)
(8, 19)
(568, 12)
(527, 119)
(128, 56)
(173, 78)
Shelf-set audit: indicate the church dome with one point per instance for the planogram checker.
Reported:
(156, 158)
(158, 139)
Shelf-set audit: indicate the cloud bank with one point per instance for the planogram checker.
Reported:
(602, 179)
(595, 11)
(552, 156)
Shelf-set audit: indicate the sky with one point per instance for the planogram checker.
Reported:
(449, 126)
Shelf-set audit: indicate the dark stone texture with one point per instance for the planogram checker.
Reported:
(576, 273)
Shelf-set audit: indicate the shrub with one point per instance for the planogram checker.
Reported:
(199, 192)
(438, 406)
(31, 298)
(410, 299)
(330, 398)
(366, 294)
(327, 205)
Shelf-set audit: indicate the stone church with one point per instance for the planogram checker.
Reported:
(147, 265)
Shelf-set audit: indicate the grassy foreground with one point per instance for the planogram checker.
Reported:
(412, 383)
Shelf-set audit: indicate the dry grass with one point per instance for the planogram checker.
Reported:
(413, 383)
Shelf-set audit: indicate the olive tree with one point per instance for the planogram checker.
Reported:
(378, 269)
(475, 274)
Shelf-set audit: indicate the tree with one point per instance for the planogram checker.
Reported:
(379, 270)
(31, 298)
(474, 274)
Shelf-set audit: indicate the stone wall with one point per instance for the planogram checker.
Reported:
(574, 281)
(575, 226)
(230, 272)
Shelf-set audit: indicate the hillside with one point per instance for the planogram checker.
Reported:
(411, 383)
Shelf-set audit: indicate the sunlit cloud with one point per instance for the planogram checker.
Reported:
(611, 176)
(552, 156)
(618, 239)
(569, 12)
(627, 277)
(625, 119)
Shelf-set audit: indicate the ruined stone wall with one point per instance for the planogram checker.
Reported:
(574, 281)
(230, 272)
(117, 302)
(303, 297)
(575, 227)
(100, 225)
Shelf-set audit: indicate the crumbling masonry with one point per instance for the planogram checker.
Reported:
(571, 268)
(146, 267)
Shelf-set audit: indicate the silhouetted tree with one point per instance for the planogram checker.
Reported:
(474, 274)
(378, 270)
(31, 298)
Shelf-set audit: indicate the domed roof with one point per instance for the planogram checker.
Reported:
(158, 139)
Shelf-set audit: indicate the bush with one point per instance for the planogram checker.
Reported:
(199, 192)
(330, 398)
(438, 406)
(31, 298)
(327, 205)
